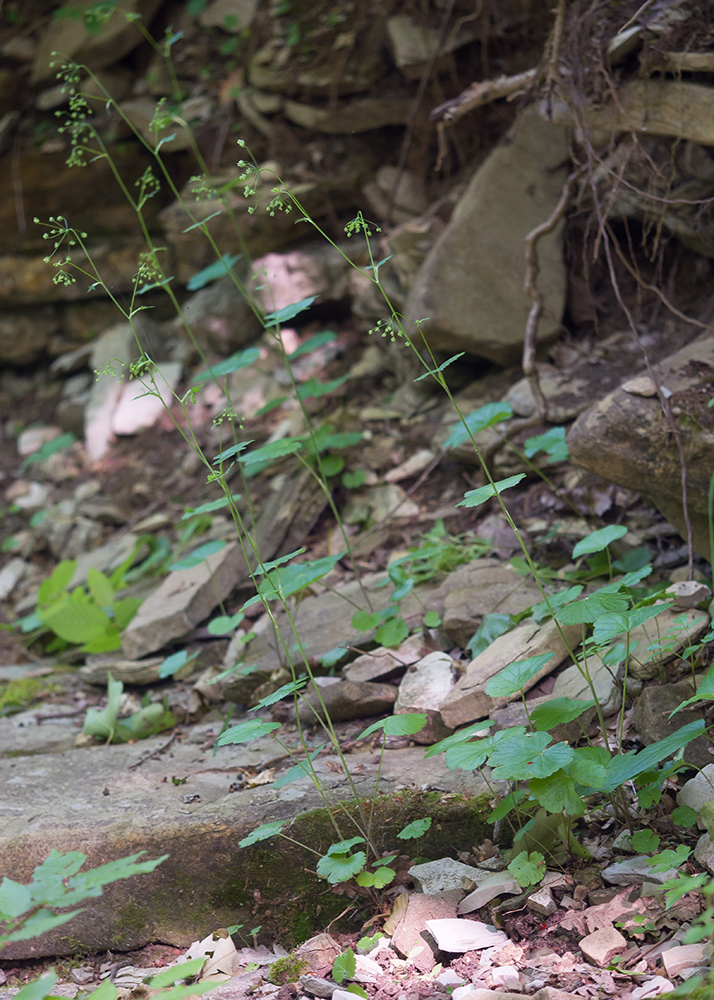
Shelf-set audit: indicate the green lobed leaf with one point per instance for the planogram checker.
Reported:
(492, 626)
(589, 766)
(377, 879)
(260, 458)
(15, 899)
(338, 868)
(199, 554)
(397, 725)
(39, 923)
(599, 540)
(312, 343)
(235, 363)
(474, 498)
(208, 508)
(392, 633)
(297, 771)
(557, 794)
(417, 828)
(591, 608)
(553, 443)
(516, 675)
(85, 884)
(263, 832)
(528, 755)
(365, 621)
(245, 731)
(344, 966)
(528, 869)
(684, 816)
(288, 312)
(343, 846)
(613, 624)
(292, 687)
(218, 269)
(644, 841)
(665, 860)
(479, 420)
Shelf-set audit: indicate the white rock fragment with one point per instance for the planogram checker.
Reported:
(455, 935)
(602, 945)
(685, 956)
(654, 987)
(688, 593)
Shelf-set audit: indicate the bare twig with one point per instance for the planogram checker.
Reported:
(154, 753)
(484, 92)
(530, 369)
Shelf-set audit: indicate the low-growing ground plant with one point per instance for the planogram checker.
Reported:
(551, 784)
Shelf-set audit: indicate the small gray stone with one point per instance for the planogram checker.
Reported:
(541, 902)
(184, 599)
(317, 987)
(698, 790)
(704, 853)
(442, 878)
(635, 871)
(489, 885)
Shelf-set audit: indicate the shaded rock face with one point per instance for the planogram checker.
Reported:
(626, 439)
(471, 284)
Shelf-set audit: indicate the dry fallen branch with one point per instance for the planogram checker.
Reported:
(484, 92)
(530, 286)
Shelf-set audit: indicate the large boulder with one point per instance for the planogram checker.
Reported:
(471, 284)
(627, 439)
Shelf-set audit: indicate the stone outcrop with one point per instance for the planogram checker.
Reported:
(471, 284)
(626, 438)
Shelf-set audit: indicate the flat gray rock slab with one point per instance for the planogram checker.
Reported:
(625, 439)
(325, 621)
(635, 871)
(104, 802)
(471, 283)
(468, 700)
(185, 598)
(481, 587)
(26, 733)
